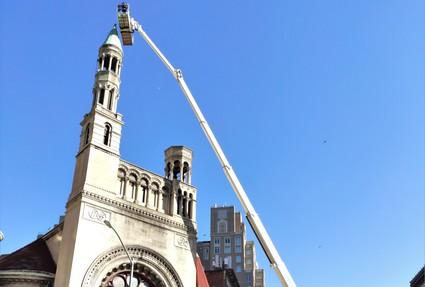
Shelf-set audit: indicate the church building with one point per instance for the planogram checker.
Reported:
(155, 215)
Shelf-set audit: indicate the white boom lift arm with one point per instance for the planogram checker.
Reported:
(127, 26)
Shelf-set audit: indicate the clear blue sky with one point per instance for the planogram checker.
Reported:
(319, 106)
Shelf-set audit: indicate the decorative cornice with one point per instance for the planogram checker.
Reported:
(26, 276)
(139, 211)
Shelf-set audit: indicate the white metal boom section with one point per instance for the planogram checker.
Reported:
(128, 26)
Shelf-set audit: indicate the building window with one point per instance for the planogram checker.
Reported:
(217, 241)
(87, 134)
(248, 261)
(106, 61)
(165, 199)
(176, 170)
(185, 172)
(238, 249)
(190, 206)
(216, 250)
(168, 171)
(227, 240)
(179, 201)
(227, 249)
(238, 240)
(248, 251)
(248, 278)
(185, 203)
(206, 253)
(155, 191)
(238, 268)
(222, 226)
(111, 97)
(101, 96)
(238, 259)
(144, 187)
(133, 185)
(114, 65)
(107, 134)
(121, 176)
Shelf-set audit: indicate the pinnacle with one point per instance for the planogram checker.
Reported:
(113, 38)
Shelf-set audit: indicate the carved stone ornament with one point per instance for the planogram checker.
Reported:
(181, 241)
(150, 267)
(95, 214)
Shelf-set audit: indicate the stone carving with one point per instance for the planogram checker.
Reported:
(181, 241)
(144, 257)
(95, 214)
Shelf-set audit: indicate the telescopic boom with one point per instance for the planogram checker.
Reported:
(127, 26)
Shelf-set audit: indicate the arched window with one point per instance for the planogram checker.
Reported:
(185, 204)
(107, 135)
(87, 134)
(114, 65)
(144, 185)
(190, 207)
(176, 170)
(222, 226)
(179, 201)
(168, 171)
(165, 199)
(186, 172)
(133, 185)
(106, 62)
(155, 191)
(101, 96)
(121, 177)
(110, 100)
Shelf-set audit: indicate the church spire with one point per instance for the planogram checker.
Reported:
(107, 80)
(113, 38)
(102, 126)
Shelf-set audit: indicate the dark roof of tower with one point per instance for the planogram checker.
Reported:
(113, 38)
(34, 256)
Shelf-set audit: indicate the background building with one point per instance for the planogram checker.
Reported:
(228, 247)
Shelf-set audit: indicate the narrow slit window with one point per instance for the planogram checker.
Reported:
(87, 134)
(107, 135)
(185, 204)
(179, 201)
(111, 97)
(101, 96)
(190, 206)
(114, 65)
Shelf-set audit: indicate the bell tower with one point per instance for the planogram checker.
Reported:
(97, 160)
(155, 215)
(99, 149)
(102, 126)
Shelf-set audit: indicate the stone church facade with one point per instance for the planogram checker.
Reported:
(155, 215)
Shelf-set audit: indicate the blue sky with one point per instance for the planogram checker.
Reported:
(319, 106)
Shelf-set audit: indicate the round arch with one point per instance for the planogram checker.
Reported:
(149, 266)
